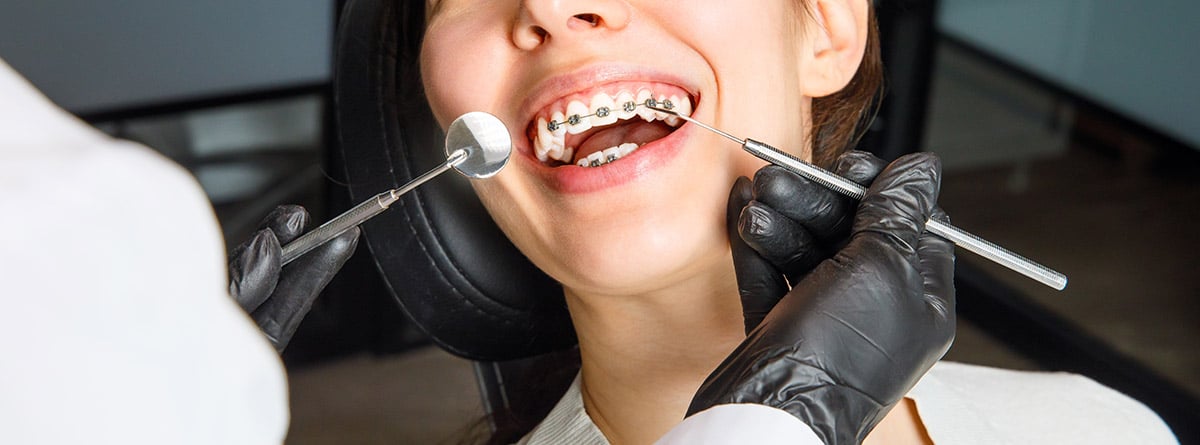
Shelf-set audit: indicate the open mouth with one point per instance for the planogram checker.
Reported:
(601, 127)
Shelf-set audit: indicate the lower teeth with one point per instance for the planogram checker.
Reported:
(608, 155)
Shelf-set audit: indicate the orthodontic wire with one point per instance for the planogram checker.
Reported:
(575, 119)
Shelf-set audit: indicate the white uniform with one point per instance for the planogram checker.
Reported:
(116, 325)
(957, 403)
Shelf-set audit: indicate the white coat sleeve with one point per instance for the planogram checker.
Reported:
(116, 325)
(740, 424)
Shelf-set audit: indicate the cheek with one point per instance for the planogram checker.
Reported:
(754, 54)
(452, 58)
(446, 88)
(511, 204)
(523, 218)
(748, 41)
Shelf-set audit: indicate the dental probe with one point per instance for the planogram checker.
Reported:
(477, 145)
(846, 187)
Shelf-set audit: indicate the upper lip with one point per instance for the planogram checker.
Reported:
(553, 88)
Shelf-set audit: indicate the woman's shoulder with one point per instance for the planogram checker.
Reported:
(964, 403)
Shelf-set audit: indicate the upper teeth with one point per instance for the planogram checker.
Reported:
(603, 110)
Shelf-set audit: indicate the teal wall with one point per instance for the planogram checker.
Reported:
(1139, 57)
(96, 55)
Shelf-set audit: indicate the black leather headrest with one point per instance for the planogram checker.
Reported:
(451, 269)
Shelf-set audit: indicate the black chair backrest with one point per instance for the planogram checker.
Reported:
(443, 259)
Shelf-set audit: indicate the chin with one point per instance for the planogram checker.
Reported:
(658, 255)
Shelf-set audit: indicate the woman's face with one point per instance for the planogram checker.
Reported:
(644, 216)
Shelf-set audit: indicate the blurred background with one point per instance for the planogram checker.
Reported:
(1069, 131)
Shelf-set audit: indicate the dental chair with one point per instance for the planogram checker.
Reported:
(445, 262)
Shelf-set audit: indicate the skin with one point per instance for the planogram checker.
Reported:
(644, 260)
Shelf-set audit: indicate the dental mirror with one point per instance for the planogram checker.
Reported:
(486, 141)
(477, 145)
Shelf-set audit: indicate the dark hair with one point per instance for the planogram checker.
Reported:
(840, 119)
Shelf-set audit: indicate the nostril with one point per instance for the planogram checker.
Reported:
(591, 19)
(540, 32)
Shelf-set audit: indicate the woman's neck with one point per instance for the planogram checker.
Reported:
(644, 356)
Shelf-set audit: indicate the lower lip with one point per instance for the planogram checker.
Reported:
(573, 179)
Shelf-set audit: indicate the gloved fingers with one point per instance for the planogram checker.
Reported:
(820, 210)
(859, 166)
(254, 265)
(937, 271)
(760, 285)
(901, 199)
(254, 270)
(300, 284)
(824, 212)
(786, 244)
(287, 221)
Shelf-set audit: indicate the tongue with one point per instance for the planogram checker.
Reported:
(639, 132)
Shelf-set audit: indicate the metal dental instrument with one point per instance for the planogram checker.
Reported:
(846, 187)
(477, 145)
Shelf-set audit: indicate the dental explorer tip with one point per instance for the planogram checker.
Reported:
(666, 110)
(701, 124)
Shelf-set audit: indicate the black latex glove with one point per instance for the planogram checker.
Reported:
(782, 225)
(278, 299)
(856, 332)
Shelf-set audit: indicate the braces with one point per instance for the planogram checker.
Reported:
(575, 119)
(597, 161)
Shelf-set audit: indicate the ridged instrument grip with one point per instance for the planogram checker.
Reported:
(959, 237)
(330, 230)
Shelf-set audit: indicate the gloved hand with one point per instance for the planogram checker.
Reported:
(776, 238)
(856, 332)
(278, 298)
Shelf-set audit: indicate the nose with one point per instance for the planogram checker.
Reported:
(544, 21)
